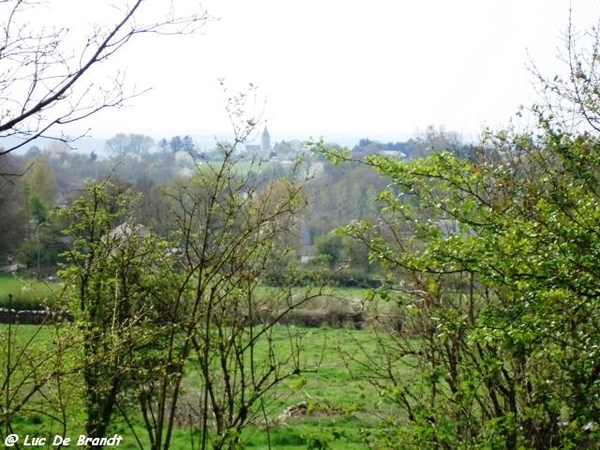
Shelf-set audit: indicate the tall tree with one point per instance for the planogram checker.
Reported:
(39, 181)
(140, 144)
(176, 144)
(117, 145)
(433, 139)
(188, 145)
(43, 244)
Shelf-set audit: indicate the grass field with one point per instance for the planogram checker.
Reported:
(26, 293)
(339, 405)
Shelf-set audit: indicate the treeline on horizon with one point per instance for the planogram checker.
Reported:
(48, 179)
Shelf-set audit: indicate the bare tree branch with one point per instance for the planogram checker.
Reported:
(574, 97)
(44, 83)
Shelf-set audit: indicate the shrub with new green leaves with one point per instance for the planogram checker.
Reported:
(496, 257)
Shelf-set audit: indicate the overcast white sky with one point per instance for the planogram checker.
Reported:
(377, 68)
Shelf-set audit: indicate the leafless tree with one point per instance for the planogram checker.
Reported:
(46, 81)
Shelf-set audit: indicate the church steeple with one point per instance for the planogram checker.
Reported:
(266, 141)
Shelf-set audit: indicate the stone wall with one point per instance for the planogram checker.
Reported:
(32, 317)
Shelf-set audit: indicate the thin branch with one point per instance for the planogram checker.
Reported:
(35, 61)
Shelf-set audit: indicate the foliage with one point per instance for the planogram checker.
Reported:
(433, 139)
(340, 194)
(367, 146)
(120, 280)
(340, 251)
(495, 257)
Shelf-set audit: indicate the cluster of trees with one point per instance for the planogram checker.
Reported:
(122, 145)
(30, 235)
(178, 144)
(368, 145)
(51, 178)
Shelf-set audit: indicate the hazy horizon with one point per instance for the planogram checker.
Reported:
(376, 69)
(206, 141)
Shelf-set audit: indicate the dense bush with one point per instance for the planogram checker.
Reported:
(495, 257)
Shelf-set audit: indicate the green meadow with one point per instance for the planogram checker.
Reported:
(329, 406)
(27, 293)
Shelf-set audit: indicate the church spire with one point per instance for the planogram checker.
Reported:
(266, 141)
